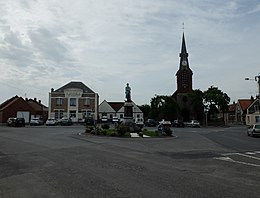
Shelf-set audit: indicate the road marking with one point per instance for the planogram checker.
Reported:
(249, 156)
(250, 153)
(228, 159)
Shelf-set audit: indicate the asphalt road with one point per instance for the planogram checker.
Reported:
(58, 162)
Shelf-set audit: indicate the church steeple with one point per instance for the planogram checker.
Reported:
(184, 74)
(184, 54)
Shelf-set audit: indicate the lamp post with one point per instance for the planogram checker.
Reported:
(257, 78)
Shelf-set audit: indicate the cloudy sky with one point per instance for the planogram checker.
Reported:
(45, 44)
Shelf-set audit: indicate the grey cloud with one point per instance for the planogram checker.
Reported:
(15, 51)
(47, 44)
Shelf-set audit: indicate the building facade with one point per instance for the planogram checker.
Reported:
(116, 109)
(253, 113)
(74, 100)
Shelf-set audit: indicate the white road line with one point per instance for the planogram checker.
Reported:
(228, 159)
(250, 153)
(249, 156)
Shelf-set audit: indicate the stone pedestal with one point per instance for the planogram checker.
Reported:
(128, 113)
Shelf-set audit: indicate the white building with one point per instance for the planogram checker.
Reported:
(116, 109)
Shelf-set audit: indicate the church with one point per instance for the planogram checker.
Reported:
(184, 87)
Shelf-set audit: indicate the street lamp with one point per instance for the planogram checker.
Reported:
(257, 78)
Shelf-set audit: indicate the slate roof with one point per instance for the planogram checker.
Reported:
(78, 85)
(116, 105)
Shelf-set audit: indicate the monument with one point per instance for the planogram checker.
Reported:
(128, 106)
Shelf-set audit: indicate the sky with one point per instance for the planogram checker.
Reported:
(105, 44)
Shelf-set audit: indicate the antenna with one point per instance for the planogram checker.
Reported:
(183, 26)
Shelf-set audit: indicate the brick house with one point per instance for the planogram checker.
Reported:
(18, 107)
(15, 107)
(40, 110)
(74, 100)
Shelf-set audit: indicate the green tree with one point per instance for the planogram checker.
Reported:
(146, 109)
(197, 98)
(216, 100)
(163, 107)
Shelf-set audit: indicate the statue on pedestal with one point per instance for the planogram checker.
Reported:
(128, 93)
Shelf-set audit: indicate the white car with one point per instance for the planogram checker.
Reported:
(104, 119)
(51, 122)
(36, 121)
(115, 119)
(193, 123)
(139, 122)
(253, 130)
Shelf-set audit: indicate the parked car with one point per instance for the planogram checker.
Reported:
(89, 121)
(253, 130)
(16, 122)
(11, 121)
(193, 123)
(51, 122)
(151, 123)
(65, 121)
(139, 122)
(104, 119)
(36, 121)
(178, 123)
(163, 125)
(115, 119)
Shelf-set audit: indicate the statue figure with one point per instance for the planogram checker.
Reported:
(128, 93)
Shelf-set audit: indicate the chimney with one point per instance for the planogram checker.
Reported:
(40, 101)
(35, 99)
(52, 90)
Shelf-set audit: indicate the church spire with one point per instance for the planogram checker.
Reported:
(184, 54)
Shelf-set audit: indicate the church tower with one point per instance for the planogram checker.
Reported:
(184, 85)
(184, 74)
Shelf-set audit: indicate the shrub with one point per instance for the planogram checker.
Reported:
(104, 132)
(168, 131)
(113, 134)
(105, 126)
(122, 129)
(89, 129)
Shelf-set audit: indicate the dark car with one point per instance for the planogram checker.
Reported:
(11, 122)
(89, 121)
(16, 122)
(20, 122)
(178, 123)
(65, 122)
(151, 123)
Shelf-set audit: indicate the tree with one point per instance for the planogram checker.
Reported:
(196, 99)
(146, 109)
(216, 100)
(163, 107)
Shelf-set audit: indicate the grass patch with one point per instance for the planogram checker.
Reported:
(149, 133)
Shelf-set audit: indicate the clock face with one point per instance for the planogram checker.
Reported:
(184, 63)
